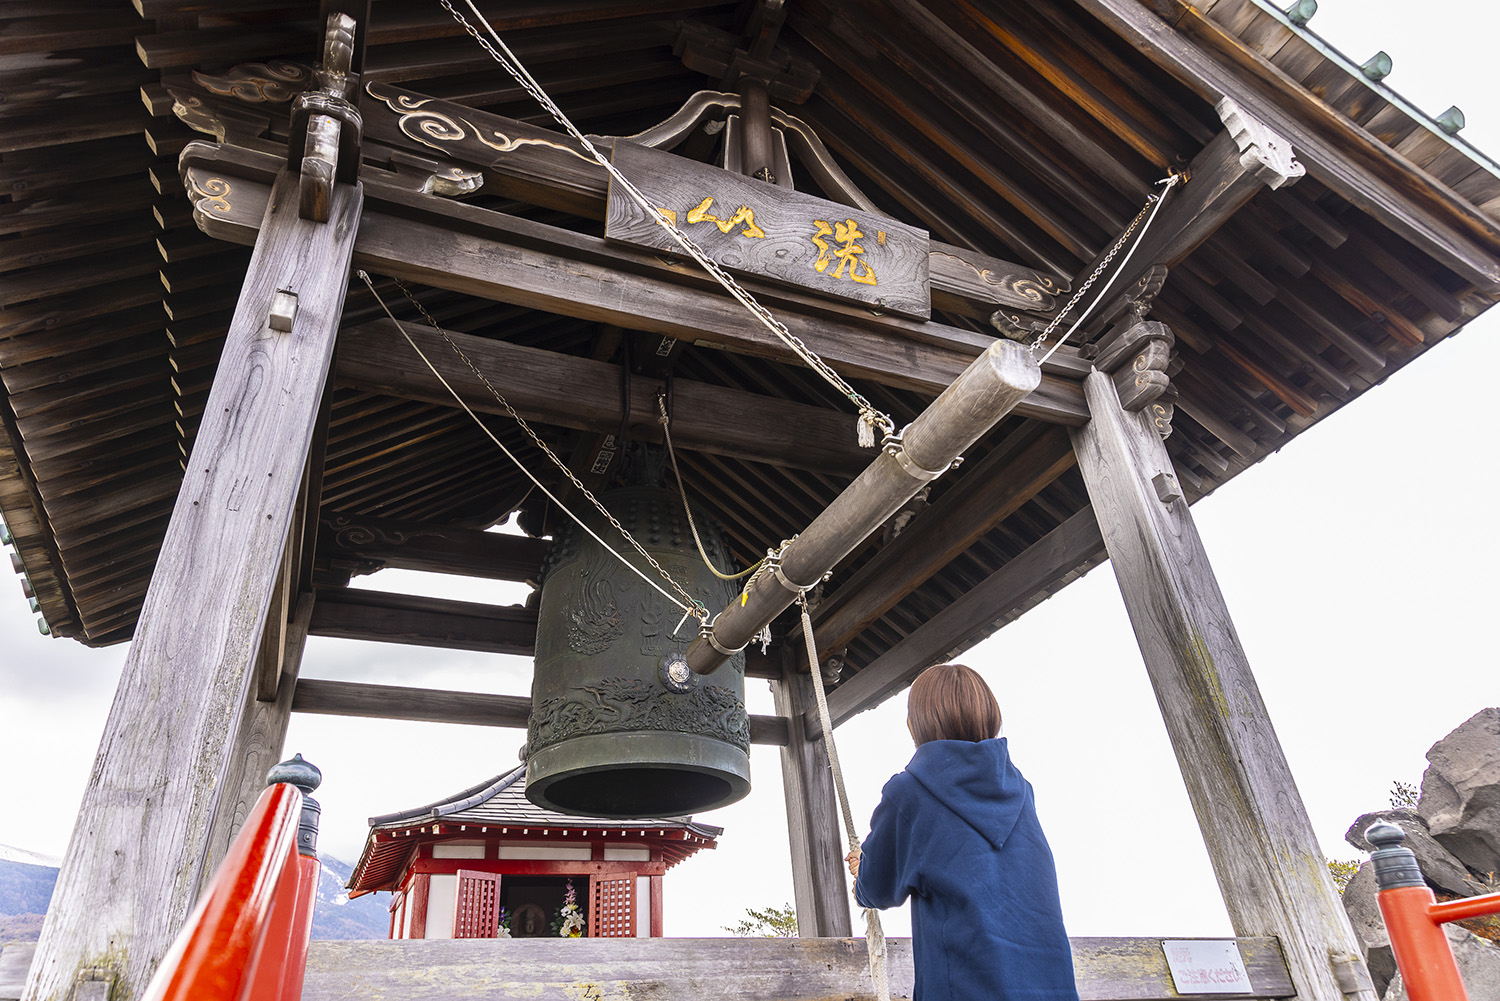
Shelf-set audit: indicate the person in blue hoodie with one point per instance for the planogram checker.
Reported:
(957, 832)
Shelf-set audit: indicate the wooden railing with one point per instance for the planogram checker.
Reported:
(247, 938)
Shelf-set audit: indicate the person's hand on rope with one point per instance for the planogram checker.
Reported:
(853, 859)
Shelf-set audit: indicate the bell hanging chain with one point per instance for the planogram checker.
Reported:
(870, 418)
(692, 607)
(1153, 204)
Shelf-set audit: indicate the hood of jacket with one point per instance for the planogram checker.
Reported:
(975, 780)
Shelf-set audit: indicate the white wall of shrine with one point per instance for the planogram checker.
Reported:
(442, 899)
(642, 900)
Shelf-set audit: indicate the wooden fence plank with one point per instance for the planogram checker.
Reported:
(725, 969)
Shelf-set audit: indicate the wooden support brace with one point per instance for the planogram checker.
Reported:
(258, 744)
(1265, 855)
(1073, 544)
(343, 698)
(819, 892)
(497, 256)
(1221, 178)
(133, 867)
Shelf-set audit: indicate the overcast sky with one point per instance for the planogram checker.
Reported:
(1359, 565)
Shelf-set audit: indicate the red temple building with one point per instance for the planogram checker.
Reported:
(455, 866)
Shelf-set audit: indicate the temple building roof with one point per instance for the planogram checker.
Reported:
(498, 809)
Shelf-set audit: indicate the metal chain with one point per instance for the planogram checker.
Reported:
(1153, 199)
(666, 433)
(697, 607)
(869, 415)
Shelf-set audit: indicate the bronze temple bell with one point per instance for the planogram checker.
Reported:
(619, 726)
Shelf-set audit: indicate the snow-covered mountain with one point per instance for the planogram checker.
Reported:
(21, 855)
(335, 916)
(27, 878)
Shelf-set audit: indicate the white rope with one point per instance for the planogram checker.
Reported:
(510, 455)
(687, 509)
(1171, 181)
(869, 417)
(874, 934)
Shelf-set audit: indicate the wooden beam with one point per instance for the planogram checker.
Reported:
(819, 890)
(1002, 595)
(434, 548)
(542, 167)
(1341, 155)
(981, 499)
(1265, 855)
(505, 258)
(133, 867)
(1225, 175)
(259, 742)
(342, 698)
(579, 393)
(740, 969)
(350, 613)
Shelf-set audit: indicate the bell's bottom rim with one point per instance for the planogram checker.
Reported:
(635, 750)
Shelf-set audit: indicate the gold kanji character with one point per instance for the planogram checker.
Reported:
(744, 214)
(847, 253)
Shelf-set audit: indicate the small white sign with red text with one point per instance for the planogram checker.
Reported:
(1206, 966)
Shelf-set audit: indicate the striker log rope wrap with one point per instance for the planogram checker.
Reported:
(692, 607)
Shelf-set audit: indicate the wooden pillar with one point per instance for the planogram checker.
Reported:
(259, 743)
(812, 819)
(1265, 855)
(145, 825)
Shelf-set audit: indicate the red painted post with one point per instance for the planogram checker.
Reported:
(1415, 919)
(292, 939)
(217, 950)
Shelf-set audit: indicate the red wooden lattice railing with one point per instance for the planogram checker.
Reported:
(247, 938)
(611, 907)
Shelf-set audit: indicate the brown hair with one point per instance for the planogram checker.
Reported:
(951, 702)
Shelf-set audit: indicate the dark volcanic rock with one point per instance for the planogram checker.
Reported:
(1369, 927)
(1442, 870)
(1461, 792)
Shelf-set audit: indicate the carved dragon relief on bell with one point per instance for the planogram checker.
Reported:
(619, 726)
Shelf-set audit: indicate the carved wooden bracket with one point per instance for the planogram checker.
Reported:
(326, 127)
(1138, 356)
(1263, 153)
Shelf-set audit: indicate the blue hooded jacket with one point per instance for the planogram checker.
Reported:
(957, 832)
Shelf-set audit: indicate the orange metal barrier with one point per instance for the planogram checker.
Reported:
(247, 938)
(1415, 919)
